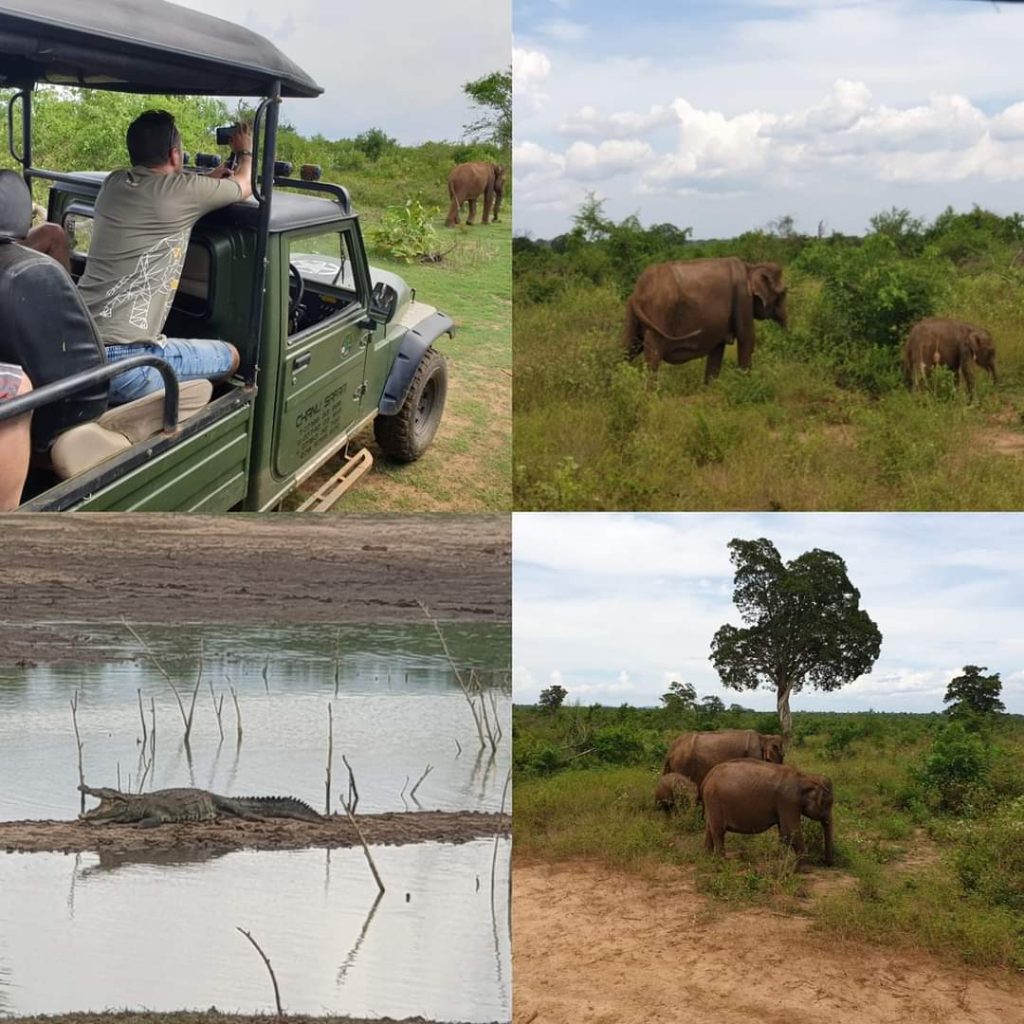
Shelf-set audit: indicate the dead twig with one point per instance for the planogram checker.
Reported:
(366, 849)
(330, 756)
(78, 741)
(426, 772)
(266, 960)
(353, 792)
(238, 713)
(142, 718)
(217, 708)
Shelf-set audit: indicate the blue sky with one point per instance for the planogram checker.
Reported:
(614, 607)
(394, 64)
(724, 116)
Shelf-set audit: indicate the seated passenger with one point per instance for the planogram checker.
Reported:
(143, 219)
(49, 239)
(15, 438)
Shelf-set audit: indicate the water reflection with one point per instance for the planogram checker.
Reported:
(397, 708)
(162, 936)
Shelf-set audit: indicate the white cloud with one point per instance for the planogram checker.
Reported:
(587, 162)
(587, 122)
(565, 30)
(530, 70)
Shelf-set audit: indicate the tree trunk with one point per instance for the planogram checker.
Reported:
(782, 703)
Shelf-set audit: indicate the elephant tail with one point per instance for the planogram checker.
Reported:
(645, 321)
(633, 335)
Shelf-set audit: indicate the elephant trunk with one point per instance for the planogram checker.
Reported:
(826, 831)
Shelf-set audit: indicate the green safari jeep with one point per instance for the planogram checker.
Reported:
(328, 343)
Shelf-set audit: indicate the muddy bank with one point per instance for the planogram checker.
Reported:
(591, 945)
(205, 1017)
(276, 569)
(235, 834)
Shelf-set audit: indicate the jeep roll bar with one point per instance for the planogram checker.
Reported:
(69, 385)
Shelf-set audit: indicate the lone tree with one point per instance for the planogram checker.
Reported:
(551, 698)
(680, 696)
(493, 93)
(974, 694)
(804, 625)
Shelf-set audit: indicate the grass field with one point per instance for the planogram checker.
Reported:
(591, 434)
(910, 870)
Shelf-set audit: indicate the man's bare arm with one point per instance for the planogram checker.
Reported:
(241, 145)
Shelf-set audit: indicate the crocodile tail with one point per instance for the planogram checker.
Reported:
(277, 807)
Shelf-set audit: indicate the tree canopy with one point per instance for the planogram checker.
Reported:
(804, 624)
(551, 698)
(493, 94)
(973, 693)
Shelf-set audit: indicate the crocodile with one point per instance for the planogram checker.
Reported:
(161, 806)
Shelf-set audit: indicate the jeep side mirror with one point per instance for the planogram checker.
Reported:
(383, 300)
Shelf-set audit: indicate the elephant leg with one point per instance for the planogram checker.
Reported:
(488, 198)
(713, 365)
(652, 351)
(472, 211)
(453, 212)
(789, 830)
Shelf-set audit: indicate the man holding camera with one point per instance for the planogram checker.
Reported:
(143, 219)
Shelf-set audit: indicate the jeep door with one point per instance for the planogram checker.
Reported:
(321, 394)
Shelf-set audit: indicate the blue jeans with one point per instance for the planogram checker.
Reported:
(189, 359)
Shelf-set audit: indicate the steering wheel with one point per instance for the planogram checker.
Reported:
(296, 289)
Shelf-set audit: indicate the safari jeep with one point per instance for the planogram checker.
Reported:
(328, 343)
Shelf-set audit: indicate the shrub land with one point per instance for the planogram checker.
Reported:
(823, 420)
(401, 195)
(929, 818)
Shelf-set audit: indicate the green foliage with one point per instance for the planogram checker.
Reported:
(989, 857)
(374, 143)
(406, 233)
(680, 697)
(551, 698)
(804, 624)
(974, 694)
(954, 770)
(492, 93)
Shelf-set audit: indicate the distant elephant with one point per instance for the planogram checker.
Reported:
(691, 308)
(938, 341)
(469, 182)
(694, 754)
(750, 796)
(674, 790)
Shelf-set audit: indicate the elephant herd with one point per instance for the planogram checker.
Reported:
(691, 309)
(468, 183)
(739, 778)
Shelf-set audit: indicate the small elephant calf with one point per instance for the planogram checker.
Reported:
(938, 341)
(674, 790)
(750, 796)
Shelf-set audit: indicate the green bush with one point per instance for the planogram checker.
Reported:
(955, 769)
(406, 233)
(618, 744)
(989, 856)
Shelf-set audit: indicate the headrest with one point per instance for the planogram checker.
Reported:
(15, 206)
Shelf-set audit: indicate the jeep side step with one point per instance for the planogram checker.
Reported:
(331, 492)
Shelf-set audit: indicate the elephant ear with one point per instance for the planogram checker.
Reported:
(761, 286)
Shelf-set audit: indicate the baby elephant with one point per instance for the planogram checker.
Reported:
(674, 790)
(938, 341)
(750, 796)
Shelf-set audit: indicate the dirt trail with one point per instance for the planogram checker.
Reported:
(244, 569)
(200, 1017)
(594, 946)
(389, 829)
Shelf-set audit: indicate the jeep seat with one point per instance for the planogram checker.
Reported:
(46, 328)
(44, 324)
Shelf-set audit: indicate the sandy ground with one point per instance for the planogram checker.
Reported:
(592, 946)
(277, 569)
(208, 1017)
(389, 829)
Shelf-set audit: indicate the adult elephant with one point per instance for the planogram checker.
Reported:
(468, 182)
(694, 754)
(939, 341)
(691, 308)
(752, 796)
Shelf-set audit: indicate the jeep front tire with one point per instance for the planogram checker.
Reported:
(407, 435)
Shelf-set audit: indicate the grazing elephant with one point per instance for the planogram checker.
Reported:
(750, 796)
(938, 341)
(674, 789)
(469, 182)
(691, 308)
(694, 754)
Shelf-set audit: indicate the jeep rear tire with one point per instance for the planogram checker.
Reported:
(407, 435)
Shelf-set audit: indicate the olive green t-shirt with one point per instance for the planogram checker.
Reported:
(139, 237)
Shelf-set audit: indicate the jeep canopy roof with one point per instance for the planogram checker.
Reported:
(140, 46)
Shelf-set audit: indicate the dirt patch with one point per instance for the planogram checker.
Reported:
(595, 946)
(391, 829)
(244, 569)
(205, 1017)
(1005, 442)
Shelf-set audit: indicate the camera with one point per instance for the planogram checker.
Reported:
(205, 161)
(224, 133)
